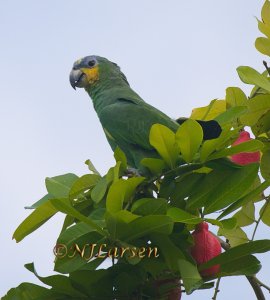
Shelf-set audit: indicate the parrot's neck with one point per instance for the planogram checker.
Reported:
(108, 92)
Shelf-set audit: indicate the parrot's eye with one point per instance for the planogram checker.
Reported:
(91, 63)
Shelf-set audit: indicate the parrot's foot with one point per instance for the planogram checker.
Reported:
(132, 172)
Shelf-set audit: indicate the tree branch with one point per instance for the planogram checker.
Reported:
(254, 282)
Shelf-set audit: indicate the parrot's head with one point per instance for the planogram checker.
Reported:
(92, 70)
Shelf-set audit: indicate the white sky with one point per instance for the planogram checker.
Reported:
(176, 54)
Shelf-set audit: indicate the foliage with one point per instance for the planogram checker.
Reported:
(192, 181)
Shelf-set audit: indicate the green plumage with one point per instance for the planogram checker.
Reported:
(124, 116)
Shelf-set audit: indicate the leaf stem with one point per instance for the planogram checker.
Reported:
(260, 218)
(216, 289)
(266, 67)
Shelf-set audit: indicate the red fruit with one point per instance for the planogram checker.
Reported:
(245, 158)
(206, 246)
(169, 289)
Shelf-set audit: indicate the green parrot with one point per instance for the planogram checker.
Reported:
(125, 117)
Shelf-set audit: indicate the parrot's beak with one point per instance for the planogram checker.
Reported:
(77, 79)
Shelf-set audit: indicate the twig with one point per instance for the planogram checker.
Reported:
(260, 218)
(266, 67)
(254, 282)
(263, 285)
(216, 289)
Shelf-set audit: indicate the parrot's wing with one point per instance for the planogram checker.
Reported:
(127, 122)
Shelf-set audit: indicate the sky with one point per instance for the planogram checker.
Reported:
(177, 55)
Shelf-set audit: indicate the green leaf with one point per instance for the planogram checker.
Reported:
(39, 202)
(30, 291)
(221, 187)
(179, 215)
(265, 13)
(189, 137)
(265, 213)
(264, 28)
(247, 265)
(59, 283)
(91, 167)
(236, 236)
(245, 199)
(246, 216)
(210, 146)
(150, 206)
(249, 146)
(257, 107)
(260, 246)
(147, 225)
(235, 97)
(37, 218)
(176, 261)
(265, 165)
(155, 165)
(59, 186)
(163, 140)
(262, 44)
(82, 184)
(80, 234)
(263, 124)
(250, 76)
(210, 112)
(99, 190)
(121, 191)
(231, 115)
(65, 207)
(119, 155)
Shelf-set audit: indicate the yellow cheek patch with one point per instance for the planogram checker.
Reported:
(91, 74)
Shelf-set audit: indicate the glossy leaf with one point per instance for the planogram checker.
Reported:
(263, 124)
(37, 218)
(163, 140)
(147, 225)
(179, 215)
(121, 191)
(210, 112)
(59, 283)
(119, 155)
(30, 291)
(65, 207)
(189, 137)
(260, 246)
(247, 265)
(257, 107)
(246, 216)
(155, 165)
(249, 146)
(250, 76)
(262, 44)
(222, 187)
(264, 28)
(99, 191)
(245, 199)
(265, 13)
(84, 183)
(150, 206)
(59, 186)
(236, 236)
(176, 261)
(265, 214)
(235, 97)
(265, 165)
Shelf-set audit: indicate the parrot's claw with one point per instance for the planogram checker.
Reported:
(132, 172)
